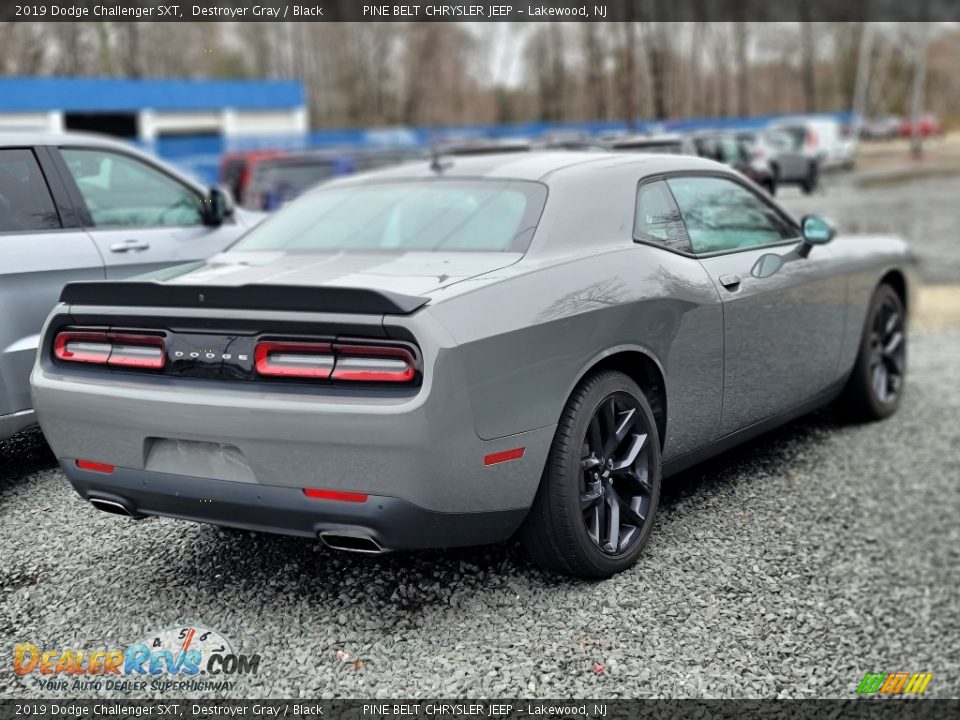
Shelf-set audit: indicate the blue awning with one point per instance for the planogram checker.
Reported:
(37, 94)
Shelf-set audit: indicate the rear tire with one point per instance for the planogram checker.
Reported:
(812, 180)
(875, 387)
(595, 507)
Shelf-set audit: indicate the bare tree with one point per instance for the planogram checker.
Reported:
(594, 57)
(628, 73)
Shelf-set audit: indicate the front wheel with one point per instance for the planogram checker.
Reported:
(598, 496)
(875, 386)
(812, 181)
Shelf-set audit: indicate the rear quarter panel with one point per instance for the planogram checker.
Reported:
(526, 341)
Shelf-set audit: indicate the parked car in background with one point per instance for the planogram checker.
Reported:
(236, 170)
(926, 125)
(374, 159)
(661, 144)
(278, 179)
(567, 141)
(735, 152)
(429, 357)
(884, 127)
(483, 147)
(779, 152)
(821, 138)
(82, 207)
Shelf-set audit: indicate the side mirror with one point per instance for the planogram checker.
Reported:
(816, 230)
(218, 206)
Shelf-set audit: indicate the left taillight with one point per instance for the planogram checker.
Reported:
(339, 362)
(145, 352)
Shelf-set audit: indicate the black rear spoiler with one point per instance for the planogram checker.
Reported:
(243, 297)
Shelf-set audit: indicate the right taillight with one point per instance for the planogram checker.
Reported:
(340, 362)
(373, 363)
(110, 348)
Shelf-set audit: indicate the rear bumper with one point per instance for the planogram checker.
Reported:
(418, 447)
(394, 524)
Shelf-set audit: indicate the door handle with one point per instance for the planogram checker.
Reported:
(130, 246)
(731, 281)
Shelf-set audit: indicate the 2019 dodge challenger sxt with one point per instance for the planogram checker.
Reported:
(444, 354)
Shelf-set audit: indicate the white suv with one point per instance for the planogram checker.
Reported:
(83, 207)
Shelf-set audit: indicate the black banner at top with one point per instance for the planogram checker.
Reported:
(478, 10)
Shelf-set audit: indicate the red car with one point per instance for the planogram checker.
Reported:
(236, 170)
(927, 125)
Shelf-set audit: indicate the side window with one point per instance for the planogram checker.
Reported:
(781, 141)
(25, 201)
(721, 214)
(121, 191)
(658, 219)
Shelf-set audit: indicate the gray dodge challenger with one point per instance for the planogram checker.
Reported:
(449, 353)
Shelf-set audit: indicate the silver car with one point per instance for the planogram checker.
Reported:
(77, 207)
(449, 352)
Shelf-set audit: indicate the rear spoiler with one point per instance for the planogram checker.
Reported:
(299, 298)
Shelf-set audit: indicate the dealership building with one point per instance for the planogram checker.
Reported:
(196, 119)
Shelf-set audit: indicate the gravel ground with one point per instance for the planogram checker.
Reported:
(786, 568)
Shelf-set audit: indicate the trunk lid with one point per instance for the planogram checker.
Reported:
(406, 273)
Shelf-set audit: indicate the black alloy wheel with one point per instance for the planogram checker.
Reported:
(887, 351)
(597, 499)
(615, 489)
(876, 382)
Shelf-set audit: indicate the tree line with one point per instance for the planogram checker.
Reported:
(376, 74)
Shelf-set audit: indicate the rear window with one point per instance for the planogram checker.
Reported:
(433, 215)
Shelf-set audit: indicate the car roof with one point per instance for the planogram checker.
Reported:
(17, 138)
(12, 138)
(536, 166)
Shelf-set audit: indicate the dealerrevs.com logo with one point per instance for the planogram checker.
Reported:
(898, 683)
(187, 658)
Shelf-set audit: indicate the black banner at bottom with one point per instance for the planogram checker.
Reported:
(859, 709)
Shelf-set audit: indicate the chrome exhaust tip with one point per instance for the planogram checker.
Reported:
(351, 542)
(113, 507)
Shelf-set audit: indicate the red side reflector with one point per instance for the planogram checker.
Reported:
(504, 456)
(95, 466)
(335, 495)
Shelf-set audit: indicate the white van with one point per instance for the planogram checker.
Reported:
(823, 138)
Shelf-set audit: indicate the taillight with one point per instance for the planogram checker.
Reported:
(811, 139)
(294, 359)
(341, 362)
(373, 363)
(145, 352)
